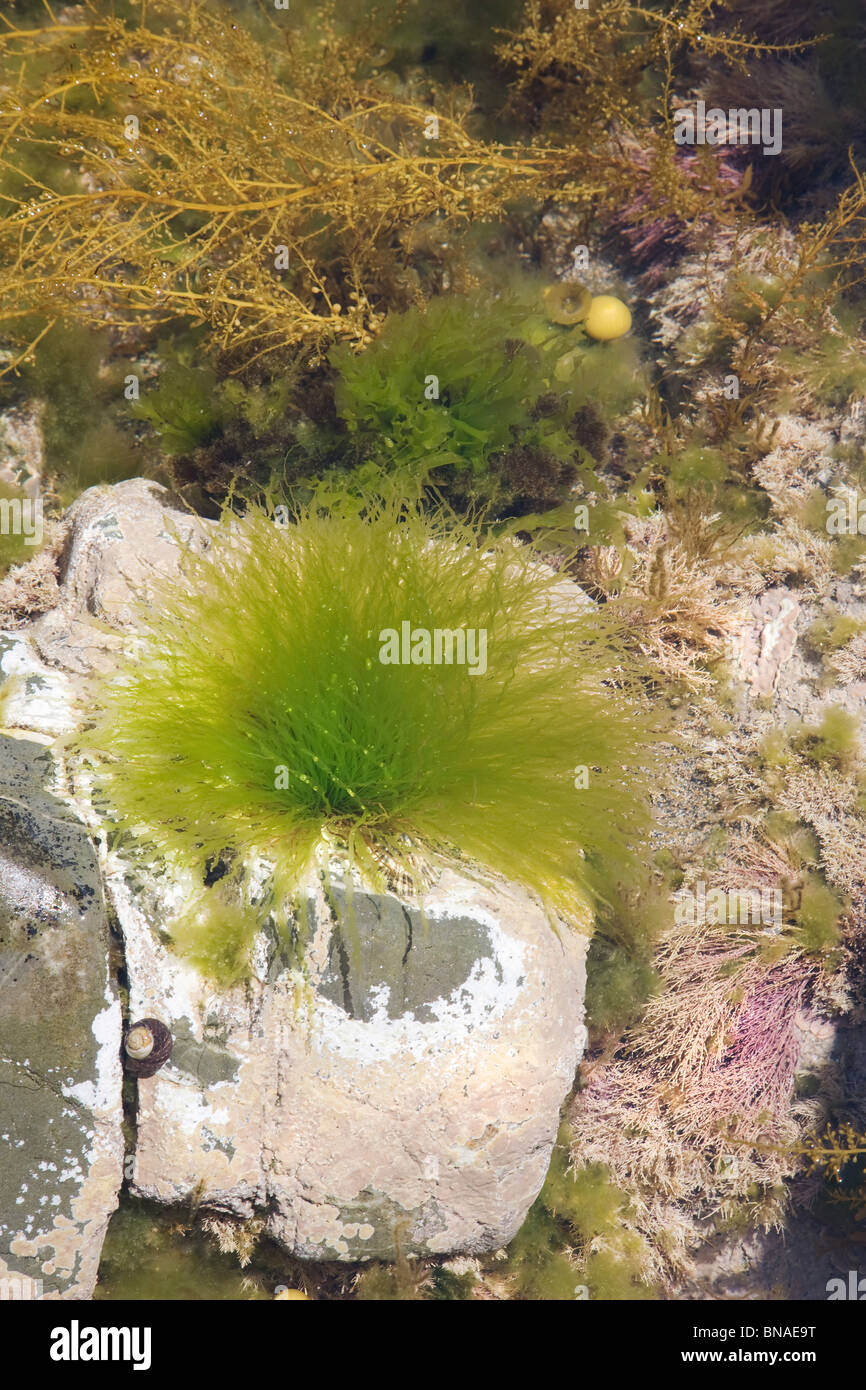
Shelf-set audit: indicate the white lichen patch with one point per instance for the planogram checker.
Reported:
(34, 698)
(492, 988)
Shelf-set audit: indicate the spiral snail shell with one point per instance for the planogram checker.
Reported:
(147, 1046)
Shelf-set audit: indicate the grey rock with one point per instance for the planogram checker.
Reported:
(60, 1079)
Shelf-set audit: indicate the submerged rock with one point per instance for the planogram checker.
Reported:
(121, 538)
(61, 1143)
(22, 450)
(408, 1096)
(404, 1092)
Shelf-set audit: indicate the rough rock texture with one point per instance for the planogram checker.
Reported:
(768, 640)
(411, 1094)
(121, 539)
(21, 450)
(61, 1144)
(118, 540)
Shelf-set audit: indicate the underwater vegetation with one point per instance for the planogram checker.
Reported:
(240, 190)
(485, 422)
(188, 167)
(701, 1062)
(319, 241)
(87, 433)
(815, 78)
(573, 1243)
(490, 402)
(833, 742)
(839, 1155)
(279, 182)
(152, 1254)
(15, 548)
(515, 436)
(620, 973)
(274, 699)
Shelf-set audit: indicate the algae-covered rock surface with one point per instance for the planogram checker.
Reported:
(433, 650)
(402, 1090)
(60, 1077)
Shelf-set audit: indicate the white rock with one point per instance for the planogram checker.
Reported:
(123, 538)
(411, 1096)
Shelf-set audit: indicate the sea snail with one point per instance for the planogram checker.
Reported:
(147, 1046)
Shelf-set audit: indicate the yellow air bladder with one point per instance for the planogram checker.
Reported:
(608, 318)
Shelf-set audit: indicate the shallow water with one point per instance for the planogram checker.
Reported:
(153, 1252)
